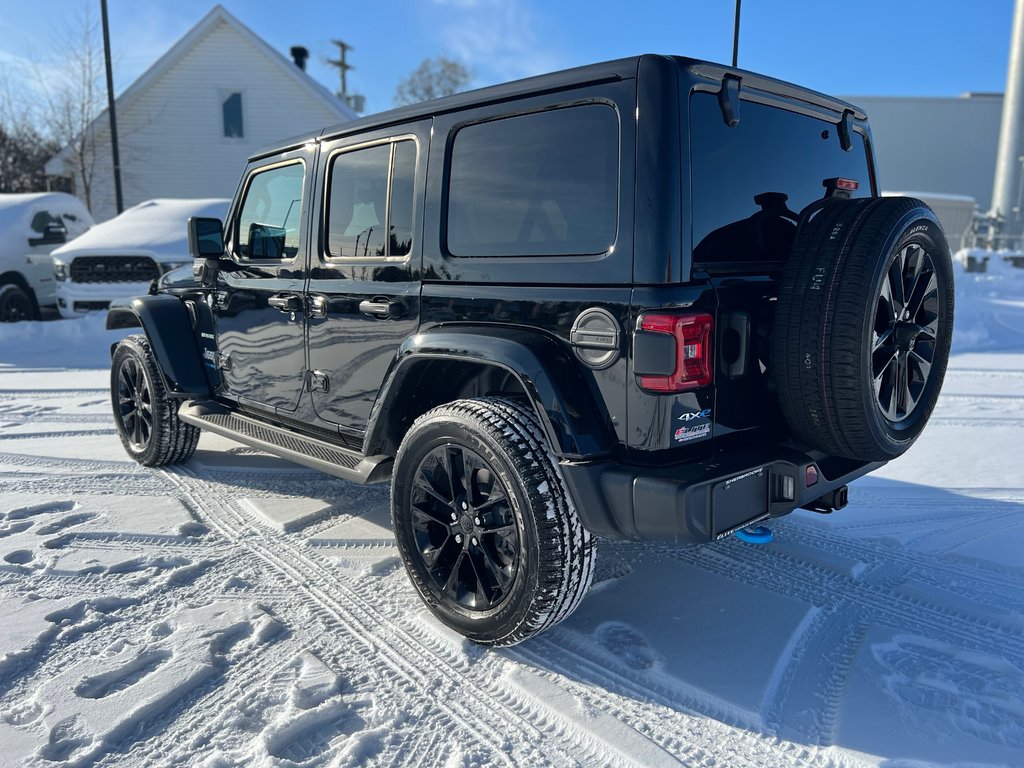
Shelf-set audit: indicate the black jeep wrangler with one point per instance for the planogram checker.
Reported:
(655, 299)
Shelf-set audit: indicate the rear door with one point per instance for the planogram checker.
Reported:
(749, 182)
(363, 291)
(258, 304)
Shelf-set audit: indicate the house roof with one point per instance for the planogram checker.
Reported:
(182, 48)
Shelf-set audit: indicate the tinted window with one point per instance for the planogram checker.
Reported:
(357, 211)
(268, 225)
(404, 175)
(535, 185)
(41, 220)
(778, 157)
(358, 202)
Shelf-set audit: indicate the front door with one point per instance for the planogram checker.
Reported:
(364, 286)
(258, 305)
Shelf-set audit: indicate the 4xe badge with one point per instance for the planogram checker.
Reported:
(693, 415)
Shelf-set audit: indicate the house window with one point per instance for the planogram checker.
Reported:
(232, 108)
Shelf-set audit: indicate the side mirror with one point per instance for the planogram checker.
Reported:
(205, 238)
(206, 244)
(54, 234)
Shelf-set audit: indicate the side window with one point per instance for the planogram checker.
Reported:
(41, 220)
(542, 184)
(268, 224)
(403, 176)
(358, 213)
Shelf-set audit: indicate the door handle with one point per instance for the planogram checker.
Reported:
(285, 302)
(383, 308)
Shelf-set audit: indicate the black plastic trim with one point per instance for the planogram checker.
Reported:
(169, 329)
(319, 454)
(685, 503)
(545, 368)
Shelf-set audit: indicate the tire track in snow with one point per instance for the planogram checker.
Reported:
(483, 679)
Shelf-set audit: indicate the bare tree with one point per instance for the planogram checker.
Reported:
(23, 150)
(432, 79)
(73, 96)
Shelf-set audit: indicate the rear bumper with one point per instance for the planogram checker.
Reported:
(703, 500)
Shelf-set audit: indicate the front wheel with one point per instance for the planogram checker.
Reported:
(16, 304)
(146, 418)
(488, 533)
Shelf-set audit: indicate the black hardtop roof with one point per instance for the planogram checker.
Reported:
(617, 69)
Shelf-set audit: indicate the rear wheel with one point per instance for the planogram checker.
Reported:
(16, 304)
(146, 418)
(863, 327)
(486, 529)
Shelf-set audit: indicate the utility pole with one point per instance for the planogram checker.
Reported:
(1011, 139)
(110, 109)
(342, 65)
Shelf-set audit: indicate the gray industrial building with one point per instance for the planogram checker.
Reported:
(944, 145)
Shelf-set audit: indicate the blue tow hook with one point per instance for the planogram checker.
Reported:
(757, 534)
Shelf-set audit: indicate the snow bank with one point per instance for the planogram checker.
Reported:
(79, 343)
(989, 305)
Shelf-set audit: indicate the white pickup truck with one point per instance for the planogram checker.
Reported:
(31, 226)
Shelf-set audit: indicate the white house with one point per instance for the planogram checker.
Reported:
(187, 125)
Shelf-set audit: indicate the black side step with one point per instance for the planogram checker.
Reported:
(318, 454)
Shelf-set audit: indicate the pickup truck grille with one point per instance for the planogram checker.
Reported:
(113, 269)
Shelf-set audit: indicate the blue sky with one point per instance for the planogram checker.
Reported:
(867, 47)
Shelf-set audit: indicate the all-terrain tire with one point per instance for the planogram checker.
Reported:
(16, 304)
(160, 437)
(845, 386)
(556, 554)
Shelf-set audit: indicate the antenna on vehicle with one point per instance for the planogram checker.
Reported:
(736, 34)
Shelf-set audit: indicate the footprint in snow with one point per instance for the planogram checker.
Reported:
(18, 557)
(981, 694)
(20, 513)
(628, 645)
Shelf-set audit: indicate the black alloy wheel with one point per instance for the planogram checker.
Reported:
(465, 530)
(145, 416)
(15, 304)
(863, 327)
(135, 403)
(905, 332)
(485, 527)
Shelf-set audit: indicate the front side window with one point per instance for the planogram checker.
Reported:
(542, 184)
(360, 221)
(268, 225)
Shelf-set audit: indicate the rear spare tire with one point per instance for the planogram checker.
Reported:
(863, 326)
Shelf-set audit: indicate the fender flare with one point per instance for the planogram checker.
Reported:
(574, 425)
(168, 326)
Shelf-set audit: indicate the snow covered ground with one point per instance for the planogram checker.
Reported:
(239, 610)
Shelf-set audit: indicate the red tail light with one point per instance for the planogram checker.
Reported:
(693, 366)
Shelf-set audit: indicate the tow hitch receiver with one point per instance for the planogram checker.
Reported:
(831, 501)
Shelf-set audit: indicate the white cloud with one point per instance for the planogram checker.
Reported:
(499, 38)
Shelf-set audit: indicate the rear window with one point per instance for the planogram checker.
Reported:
(542, 184)
(749, 181)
